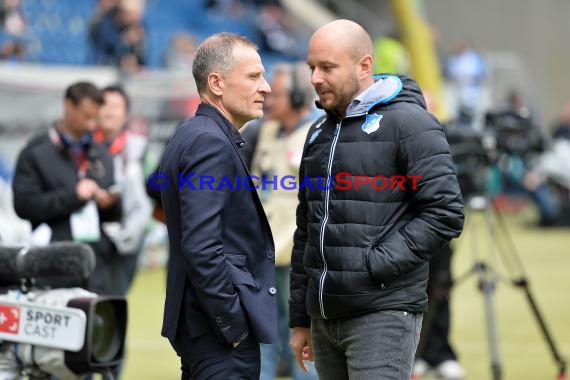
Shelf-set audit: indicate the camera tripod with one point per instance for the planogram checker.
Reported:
(487, 281)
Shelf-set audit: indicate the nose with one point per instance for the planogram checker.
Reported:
(316, 77)
(265, 88)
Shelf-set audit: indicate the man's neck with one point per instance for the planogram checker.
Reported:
(219, 106)
(110, 134)
(369, 82)
(66, 128)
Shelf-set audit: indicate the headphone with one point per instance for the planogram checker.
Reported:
(297, 95)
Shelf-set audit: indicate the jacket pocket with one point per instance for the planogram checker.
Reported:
(239, 272)
(381, 283)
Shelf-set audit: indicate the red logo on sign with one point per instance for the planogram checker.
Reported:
(9, 319)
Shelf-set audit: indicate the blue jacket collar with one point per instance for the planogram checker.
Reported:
(229, 129)
(385, 88)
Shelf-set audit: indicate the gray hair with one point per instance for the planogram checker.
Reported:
(215, 54)
(299, 76)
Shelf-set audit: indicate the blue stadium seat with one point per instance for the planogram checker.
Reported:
(58, 28)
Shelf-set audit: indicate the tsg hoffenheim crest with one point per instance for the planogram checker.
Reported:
(372, 123)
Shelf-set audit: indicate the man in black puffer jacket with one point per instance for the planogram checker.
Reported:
(378, 196)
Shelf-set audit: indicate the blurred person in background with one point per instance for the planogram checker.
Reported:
(548, 177)
(64, 180)
(181, 51)
(359, 267)
(466, 70)
(561, 129)
(13, 230)
(12, 21)
(127, 149)
(220, 294)
(117, 35)
(520, 142)
(276, 144)
(102, 8)
(12, 31)
(390, 55)
(12, 51)
(279, 32)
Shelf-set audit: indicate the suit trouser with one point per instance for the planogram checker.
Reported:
(205, 357)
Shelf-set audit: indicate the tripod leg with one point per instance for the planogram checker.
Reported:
(486, 284)
(545, 332)
(488, 287)
(522, 282)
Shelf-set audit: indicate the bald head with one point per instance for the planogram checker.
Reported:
(340, 57)
(345, 35)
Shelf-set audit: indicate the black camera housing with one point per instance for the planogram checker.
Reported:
(104, 345)
(515, 134)
(472, 156)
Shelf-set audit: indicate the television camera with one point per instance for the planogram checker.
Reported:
(65, 332)
(505, 134)
(515, 134)
(473, 153)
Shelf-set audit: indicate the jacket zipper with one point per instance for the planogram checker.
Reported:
(325, 219)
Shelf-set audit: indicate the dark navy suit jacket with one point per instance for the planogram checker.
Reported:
(221, 268)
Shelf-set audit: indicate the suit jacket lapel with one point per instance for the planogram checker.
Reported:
(235, 139)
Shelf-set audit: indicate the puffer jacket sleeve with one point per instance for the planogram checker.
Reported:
(299, 280)
(423, 152)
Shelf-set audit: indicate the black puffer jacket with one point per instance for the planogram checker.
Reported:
(358, 251)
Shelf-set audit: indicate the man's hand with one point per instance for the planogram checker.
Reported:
(105, 199)
(86, 188)
(302, 346)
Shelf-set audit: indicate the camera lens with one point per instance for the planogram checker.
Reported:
(106, 340)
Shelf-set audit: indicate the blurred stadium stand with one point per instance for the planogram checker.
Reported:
(58, 29)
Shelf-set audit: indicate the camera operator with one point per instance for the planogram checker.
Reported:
(551, 170)
(519, 143)
(63, 179)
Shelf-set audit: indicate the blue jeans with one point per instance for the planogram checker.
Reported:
(374, 346)
(271, 354)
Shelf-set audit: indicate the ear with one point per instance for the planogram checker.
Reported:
(216, 84)
(68, 106)
(366, 66)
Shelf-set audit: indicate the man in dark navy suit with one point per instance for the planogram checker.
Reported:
(220, 296)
